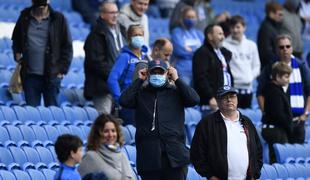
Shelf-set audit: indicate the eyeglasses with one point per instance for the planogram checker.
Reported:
(285, 47)
(229, 96)
(112, 12)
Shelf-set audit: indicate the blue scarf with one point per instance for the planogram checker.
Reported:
(296, 92)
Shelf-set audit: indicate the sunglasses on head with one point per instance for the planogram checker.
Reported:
(285, 46)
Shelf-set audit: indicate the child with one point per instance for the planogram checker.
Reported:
(69, 153)
(277, 118)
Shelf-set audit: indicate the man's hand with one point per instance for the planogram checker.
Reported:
(142, 74)
(213, 104)
(172, 73)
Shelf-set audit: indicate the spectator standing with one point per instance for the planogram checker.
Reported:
(134, 14)
(69, 151)
(211, 68)
(245, 63)
(225, 144)
(104, 154)
(159, 107)
(122, 71)
(268, 30)
(293, 25)
(166, 7)
(277, 119)
(298, 89)
(42, 44)
(304, 13)
(102, 47)
(186, 40)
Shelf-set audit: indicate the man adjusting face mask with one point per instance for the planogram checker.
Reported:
(158, 73)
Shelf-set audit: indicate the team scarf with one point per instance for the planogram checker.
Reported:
(296, 91)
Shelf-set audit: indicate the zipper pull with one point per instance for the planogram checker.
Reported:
(154, 115)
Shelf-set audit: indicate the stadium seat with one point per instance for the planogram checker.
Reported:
(280, 152)
(62, 129)
(14, 132)
(132, 133)
(34, 114)
(6, 156)
(31, 154)
(18, 155)
(92, 113)
(7, 175)
(36, 174)
(86, 130)
(59, 115)
(46, 114)
(40, 133)
(281, 170)
(51, 132)
(77, 131)
(127, 136)
(270, 171)
(48, 173)
(8, 113)
(293, 171)
(193, 175)
(27, 133)
(131, 153)
(45, 155)
(22, 175)
(4, 135)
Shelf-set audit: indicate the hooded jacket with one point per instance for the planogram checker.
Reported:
(122, 71)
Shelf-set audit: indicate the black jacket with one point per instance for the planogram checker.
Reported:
(208, 72)
(168, 135)
(59, 51)
(209, 147)
(267, 33)
(278, 110)
(100, 55)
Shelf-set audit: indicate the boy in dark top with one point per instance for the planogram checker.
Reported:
(277, 120)
(69, 153)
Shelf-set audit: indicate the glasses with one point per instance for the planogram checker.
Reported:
(112, 12)
(229, 96)
(285, 47)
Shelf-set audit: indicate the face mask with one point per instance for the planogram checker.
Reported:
(190, 23)
(137, 41)
(157, 80)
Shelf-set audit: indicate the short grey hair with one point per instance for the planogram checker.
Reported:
(283, 36)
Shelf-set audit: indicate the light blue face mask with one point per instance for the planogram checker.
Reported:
(137, 41)
(157, 80)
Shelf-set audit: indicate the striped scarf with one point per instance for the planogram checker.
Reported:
(296, 92)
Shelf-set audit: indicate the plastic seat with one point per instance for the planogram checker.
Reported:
(270, 171)
(72, 116)
(39, 132)
(5, 76)
(19, 174)
(8, 113)
(4, 135)
(127, 136)
(281, 153)
(92, 113)
(62, 129)
(45, 155)
(59, 115)
(131, 153)
(281, 170)
(77, 131)
(27, 133)
(18, 155)
(31, 154)
(51, 132)
(6, 156)
(34, 114)
(293, 171)
(7, 175)
(192, 174)
(48, 173)
(46, 114)
(35, 174)
(14, 132)
(86, 130)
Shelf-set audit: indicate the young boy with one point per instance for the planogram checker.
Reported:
(69, 153)
(277, 118)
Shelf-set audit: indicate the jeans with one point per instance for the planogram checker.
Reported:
(37, 85)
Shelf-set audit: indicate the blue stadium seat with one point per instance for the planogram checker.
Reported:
(4, 135)
(192, 118)
(34, 114)
(281, 170)
(127, 136)
(302, 170)
(8, 113)
(293, 171)
(73, 116)
(45, 155)
(5, 76)
(18, 155)
(62, 129)
(40, 132)
(5, 96)
(131, 153)
(6, 156)
(14, 132)
(19, 174)
(31, 154)
(27, 133)
(91, 112)
(80, 113)
(51, 132)
(52, 150)
(193, 175)
(36, 174)
(86, 130)
(46, 114)
(48, 173)
(59, 115)
(6, 62)
(7, 175)
(270, 171)
(77, 131)
(280, 152)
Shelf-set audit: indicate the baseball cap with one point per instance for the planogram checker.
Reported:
(37, 3)
(157, 63)
(225, 90)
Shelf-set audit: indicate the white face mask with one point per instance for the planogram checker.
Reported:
(137, 41)
(157, 80)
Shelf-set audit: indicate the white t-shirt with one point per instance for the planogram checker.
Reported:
(237, 149)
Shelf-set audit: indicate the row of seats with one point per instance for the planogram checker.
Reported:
(292, 153)
(30, 174)
(285, 171)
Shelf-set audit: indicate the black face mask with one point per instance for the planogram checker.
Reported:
(38, 3)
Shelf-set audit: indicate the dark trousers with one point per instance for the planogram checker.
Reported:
(166, 172)
(36, 85)
(272, 136)
(245, 100)
(298, 133)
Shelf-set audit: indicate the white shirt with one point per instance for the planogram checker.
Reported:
(226, 75)
(237, 149)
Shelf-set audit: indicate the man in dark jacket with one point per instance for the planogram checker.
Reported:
(269, 29)
(225, 144)
(42, 44)
(159, 108)
(211, 67)
(102, 46)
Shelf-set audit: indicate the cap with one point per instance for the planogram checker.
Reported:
(224, 90)
(37, 3)
(157, 63)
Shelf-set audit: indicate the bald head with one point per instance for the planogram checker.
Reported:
(162, 49)
(109, 13)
